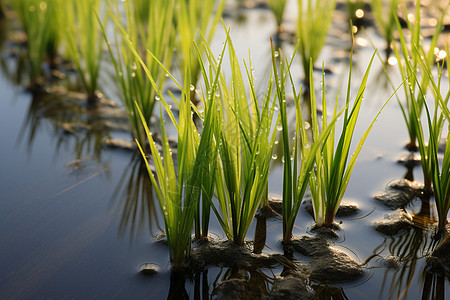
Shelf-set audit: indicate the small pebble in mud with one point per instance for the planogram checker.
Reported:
(149, 269)
(161, 238)
(391, 262)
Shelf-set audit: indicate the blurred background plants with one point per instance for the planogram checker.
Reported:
(192, 19)
(148, 31)
(314, 20)
(384, 13)
(412, 72)
(84, 41)
(41, 23)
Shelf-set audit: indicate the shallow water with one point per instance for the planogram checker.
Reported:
(77, 219)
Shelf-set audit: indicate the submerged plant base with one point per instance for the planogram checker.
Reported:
(439, 261)
(327, 265)
(226, 253)
(412, 147)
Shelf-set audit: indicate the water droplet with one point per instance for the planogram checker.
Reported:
(276, 54)
(359, 13)
(274, 156)
(192, 88)
(276, 142)
(157, 98)
(279, 127)
(307, 125)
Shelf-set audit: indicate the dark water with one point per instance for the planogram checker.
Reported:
(77, 220)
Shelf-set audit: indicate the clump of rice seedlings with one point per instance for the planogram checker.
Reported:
(313, 23)
(299, 157)
(40, 22)
(439, 176)
(334, 163)
(84, 42)
(277, 7)
(245, 138)
(410, 69)
(384, 14)
(152, 37)
(192, 20)
(180, 188)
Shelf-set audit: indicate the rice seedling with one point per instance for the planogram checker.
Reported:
(40, 22)
(312, 29)
(179, 189)
(245, 138)
(295, 176)
(277, 7)
(84, 42)
(154, 34)
(438, 176)
(385, 19)
(192, 20)
(334, 164)
(410, 66)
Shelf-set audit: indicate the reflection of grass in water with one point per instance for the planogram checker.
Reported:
(403, 253)
(433, 286)
(409, 248)
(329, 292)
(69, 120)
(253, 283)
(134, 196)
